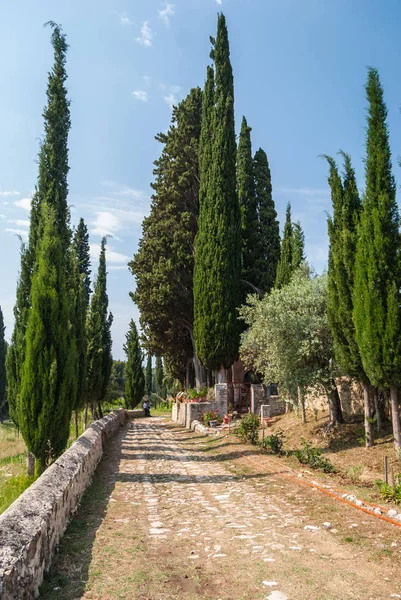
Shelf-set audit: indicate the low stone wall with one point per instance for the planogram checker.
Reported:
(31, 528)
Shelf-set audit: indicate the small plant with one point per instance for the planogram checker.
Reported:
(313, 457)
(354, 473)
(274, 442)
(194, 394)
(248, 428)
(211, 416)
(388, 492)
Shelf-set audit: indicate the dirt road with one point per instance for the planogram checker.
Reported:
(175, 515)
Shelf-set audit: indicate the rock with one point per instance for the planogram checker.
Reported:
(358, 502)
(327, 525)
(270, 583)
(392, 513)
(398, 517)
(311, 528)
(276, 595)
(377, 511)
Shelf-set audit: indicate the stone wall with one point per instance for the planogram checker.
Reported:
(32, 526)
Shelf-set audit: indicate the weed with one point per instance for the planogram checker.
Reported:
(313, 457)
(354, 473)
(388, 492)
(13, 488)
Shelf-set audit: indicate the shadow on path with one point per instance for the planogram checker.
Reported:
(69, 573)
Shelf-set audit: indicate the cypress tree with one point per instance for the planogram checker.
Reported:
(99, 338)
(134, 377)
(148, 376)
(268, 231)
(298, 245)
(3, 376)
(248, 207)
(218, 244)
(159, 376)
(376, 297)
(79, 294)
(284, 267)
(45, 407)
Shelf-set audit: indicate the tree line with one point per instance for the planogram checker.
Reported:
(59, 358)
(212, 235)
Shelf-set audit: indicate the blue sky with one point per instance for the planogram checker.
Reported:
(299, 68)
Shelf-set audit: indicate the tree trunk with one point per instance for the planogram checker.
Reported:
(100, 412)
(336, 413)
(86, 416)
(221, 375)
(367, 414)
(301, 398)
(379, 424)
(30, 464)
(395, 417)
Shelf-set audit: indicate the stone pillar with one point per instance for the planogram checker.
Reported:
(257, 398)
(221, 392)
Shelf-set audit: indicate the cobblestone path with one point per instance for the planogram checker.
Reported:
(189, 520)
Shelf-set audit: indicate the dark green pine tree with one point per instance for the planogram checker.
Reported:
(218, 243)
(248, 207)
(298, 245)
(159, 376)
(148, 376)
(134, 377)
(284, 267)
(79, 285)
(99, 339)
(45, 407)
(3, 375)
(376, 297)
(267, 240)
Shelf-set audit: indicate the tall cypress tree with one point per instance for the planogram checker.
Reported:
(99, 338)
(218, 243)
(248, 207)
(159, 376)
(376, 297)
(284, 267)
(45, 407)
(134, 377)
(3, 376)
(268, 230)
(148, 376)
(79, 285)
(298, 245)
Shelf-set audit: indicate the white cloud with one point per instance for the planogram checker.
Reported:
(171, 97)
(118, 268)
(105, 223)
(219, 1)
(146, 79)
(165, 13)
(140, 95)
(9, 193)
(146, 35)
(20, 222)
(20, 232)
(125, 20)
(24, 203)
(111, 255)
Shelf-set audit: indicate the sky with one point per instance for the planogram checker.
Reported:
(299, 66)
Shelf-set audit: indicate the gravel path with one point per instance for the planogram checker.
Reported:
(189, 520)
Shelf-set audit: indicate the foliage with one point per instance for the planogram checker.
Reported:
(284, 266)
(134, 377)
(209, 416)
(248, 206)
(354, 472)
(248, 428)
(193, 393)
(116, 387)
(298, 245)
(267, 237)
(48, 378)
(99, 337)
(3, 376)
(163, 266)
(377, 270)
(218, 246)
(82, 250)
(12, 489)
(275, 441)
(388, 492)
(159, 377)
(313, 457)
(288, 340)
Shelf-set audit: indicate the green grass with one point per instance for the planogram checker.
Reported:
(12, 489)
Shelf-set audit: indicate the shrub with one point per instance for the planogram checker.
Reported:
(274, 442)
(313, 457)
(248, 428)
(354, 473)
(388, 492)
